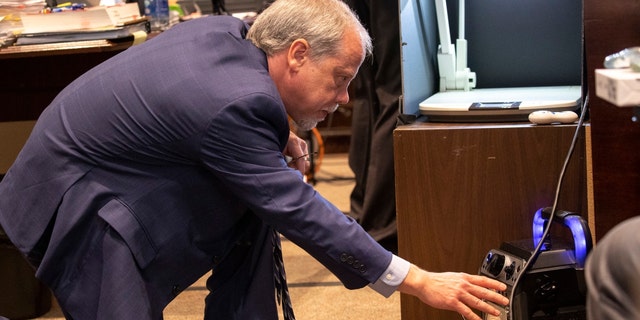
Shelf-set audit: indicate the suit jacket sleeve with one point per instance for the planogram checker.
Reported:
(252, 165)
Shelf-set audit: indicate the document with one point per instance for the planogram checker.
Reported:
(93, 23)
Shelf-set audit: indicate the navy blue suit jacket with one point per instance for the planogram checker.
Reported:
(170, 143)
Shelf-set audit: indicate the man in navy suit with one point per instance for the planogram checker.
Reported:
(168, 161)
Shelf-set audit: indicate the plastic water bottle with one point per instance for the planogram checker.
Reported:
(158, 13)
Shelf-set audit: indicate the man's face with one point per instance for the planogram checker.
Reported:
(322, 84)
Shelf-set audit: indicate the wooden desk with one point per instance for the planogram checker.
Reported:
(34, 74)
(463, 189)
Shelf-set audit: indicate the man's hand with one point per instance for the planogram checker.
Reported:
(459, 292)
(297, 149)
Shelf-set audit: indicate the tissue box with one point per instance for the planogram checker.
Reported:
(619, 86)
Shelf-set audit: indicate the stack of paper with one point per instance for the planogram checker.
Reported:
(89, 24)
(10, 11)
(21, 6)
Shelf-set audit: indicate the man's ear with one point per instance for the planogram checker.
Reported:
(298, 53)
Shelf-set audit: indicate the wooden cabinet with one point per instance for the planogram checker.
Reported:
(463, 189)
(34, 74)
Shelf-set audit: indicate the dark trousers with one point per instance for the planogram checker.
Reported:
(376, 93)
(241, 285)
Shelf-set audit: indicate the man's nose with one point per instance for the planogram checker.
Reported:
(343, 97)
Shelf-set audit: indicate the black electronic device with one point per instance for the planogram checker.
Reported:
(546, 285)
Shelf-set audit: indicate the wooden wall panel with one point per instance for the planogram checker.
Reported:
(609, 27)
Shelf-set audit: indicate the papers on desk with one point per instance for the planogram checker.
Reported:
(9, 6)
(138, 30)
(10, 11)
(90, 24)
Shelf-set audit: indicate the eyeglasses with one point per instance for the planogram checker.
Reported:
(293, 160)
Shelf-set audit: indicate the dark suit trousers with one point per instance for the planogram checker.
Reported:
(242, 283)
(376, 92)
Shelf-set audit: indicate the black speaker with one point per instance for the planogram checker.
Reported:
(547, 285)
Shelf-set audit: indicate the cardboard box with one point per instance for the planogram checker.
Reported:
(619, 86)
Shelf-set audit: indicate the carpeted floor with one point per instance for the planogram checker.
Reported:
(316, 294)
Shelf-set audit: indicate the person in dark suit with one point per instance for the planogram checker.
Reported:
(170, 160)
(376, 105)
(613, 266)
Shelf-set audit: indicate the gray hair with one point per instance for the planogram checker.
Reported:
(321, 22)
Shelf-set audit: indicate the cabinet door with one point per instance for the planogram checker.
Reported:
(464, 189)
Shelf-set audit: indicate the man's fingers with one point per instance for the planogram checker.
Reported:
(474, 303)
(303, 164)
(487, 283)
(489, 289)
(479, 296)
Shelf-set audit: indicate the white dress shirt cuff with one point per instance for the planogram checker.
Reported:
(391, 278)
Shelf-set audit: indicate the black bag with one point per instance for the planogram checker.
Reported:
(22, 296)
